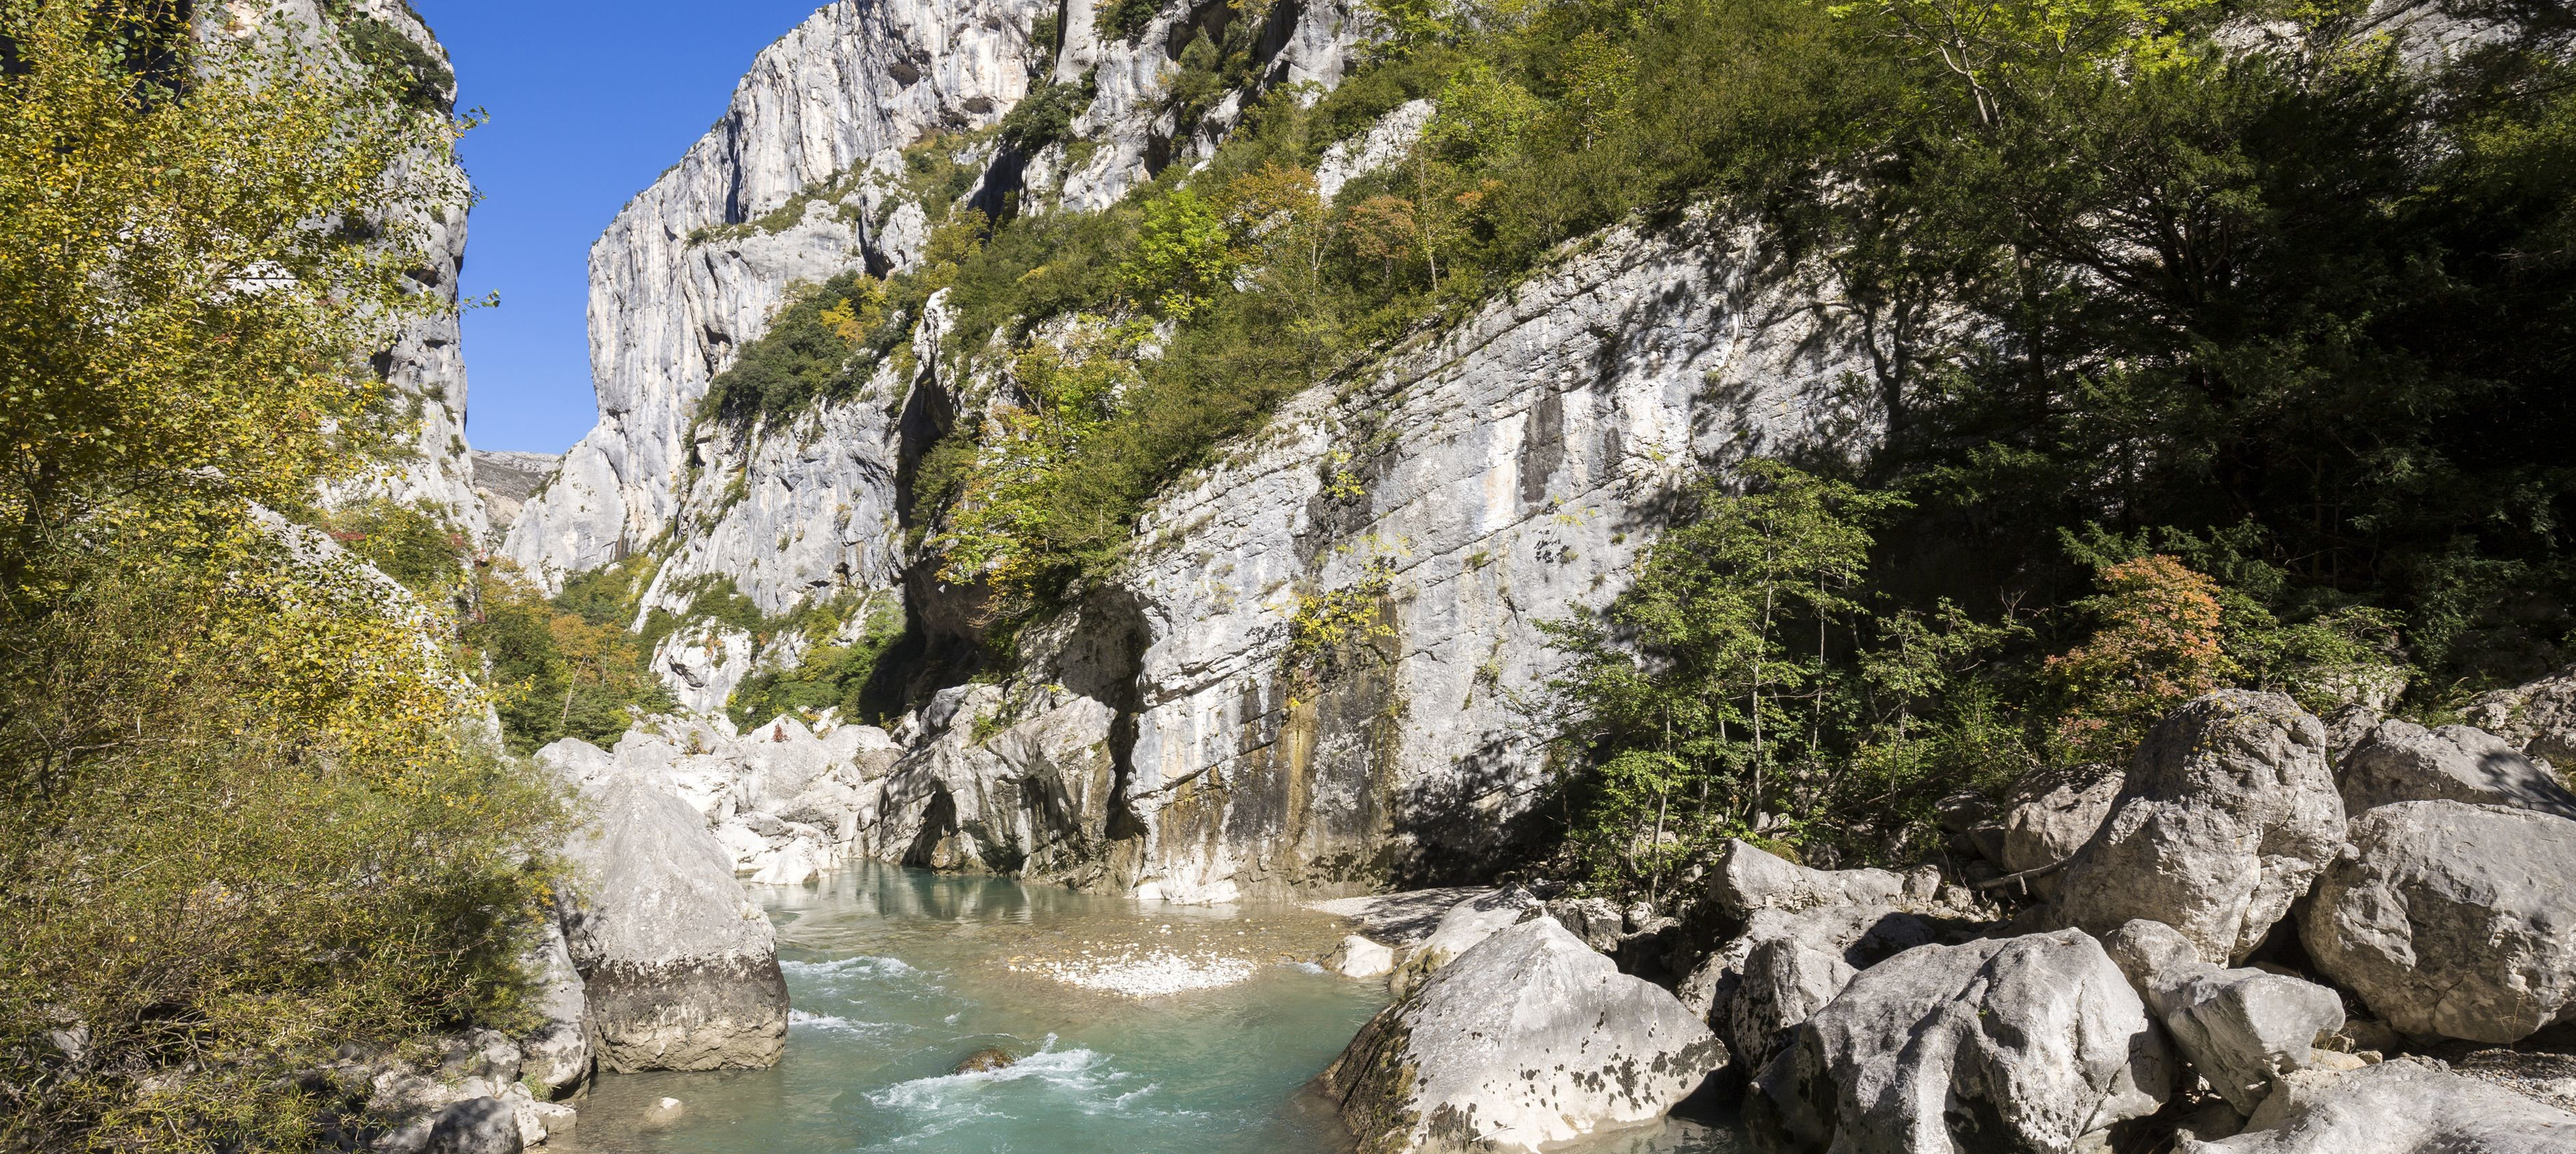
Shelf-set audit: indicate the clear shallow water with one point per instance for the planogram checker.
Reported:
(896, 975)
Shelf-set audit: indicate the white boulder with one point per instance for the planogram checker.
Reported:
(2227, 816)
(1526, 1042)
(2453, 920)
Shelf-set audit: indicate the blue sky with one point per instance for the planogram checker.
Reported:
(589, 101)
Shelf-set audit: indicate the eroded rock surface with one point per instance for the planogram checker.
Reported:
(2028, 1043)
(1465, 926)
(2402, 761)
(680, 969)
(2453, 920)
(2227, 816)
(1530, 1040)
(2407, 1106)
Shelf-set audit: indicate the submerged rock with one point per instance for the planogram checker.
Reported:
(2029, 1043)
(1527, 1041)
(2227, 816)
(1358, 957)
(986, 1061)
(680, 969)
(2453, 920)
(2402, 1107)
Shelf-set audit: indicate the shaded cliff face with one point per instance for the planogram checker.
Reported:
(1315, 671)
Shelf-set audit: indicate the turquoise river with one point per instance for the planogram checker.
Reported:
(897, 975)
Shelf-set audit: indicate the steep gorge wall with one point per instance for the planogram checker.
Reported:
(1500, 475)
(1168, 734)
(425, 366)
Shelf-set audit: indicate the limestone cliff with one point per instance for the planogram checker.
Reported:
(425, 366)
(1167, 733)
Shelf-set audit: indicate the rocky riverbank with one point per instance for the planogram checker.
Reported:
(2226, 960)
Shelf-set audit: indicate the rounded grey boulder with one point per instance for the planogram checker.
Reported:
(1527, 1041)
(2453, 920)
(2240, 1028)
(2227, 816)
(679, 968)
(2028, 1043)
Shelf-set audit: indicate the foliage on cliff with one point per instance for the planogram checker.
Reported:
(247, 818)
(2237, 284)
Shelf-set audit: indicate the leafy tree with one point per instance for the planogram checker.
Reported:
(1184, 256)
(248, 820)
(2158, 643)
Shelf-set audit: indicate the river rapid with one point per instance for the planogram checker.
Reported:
(896, 975)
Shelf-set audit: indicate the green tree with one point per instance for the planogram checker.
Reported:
(248, 818)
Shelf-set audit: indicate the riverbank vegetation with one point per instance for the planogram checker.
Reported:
(252, 813)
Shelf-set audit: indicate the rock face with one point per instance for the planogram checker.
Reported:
(2051, 814)
(2227, 816)
(2402, 1107)
(1748, 878)
(2453, 920)
(505, 481)
(1463, 928)
(2402, 761)
(670, 303)
(2030, 1043)
(2239, 1028)
(1528, 1041)
(1170, 738)
(680, 969)
(424, 369)
(2539, 717)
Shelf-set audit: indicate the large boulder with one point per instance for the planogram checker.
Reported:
(2240, 1028)
(1461, 929)
(2402, 1107)
(679, 968)
(1857, 937)
(2453, 920)
(2028, 1043)
(1747, 878)
(2538, 717)
(554, 1058)
(1527, 1041)
(2227, 816)
(2402, 761)
(2051, 814)
(1785, 982)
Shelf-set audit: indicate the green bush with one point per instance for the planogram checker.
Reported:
(846, 677)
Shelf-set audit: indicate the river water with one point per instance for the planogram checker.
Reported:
(896, 975)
